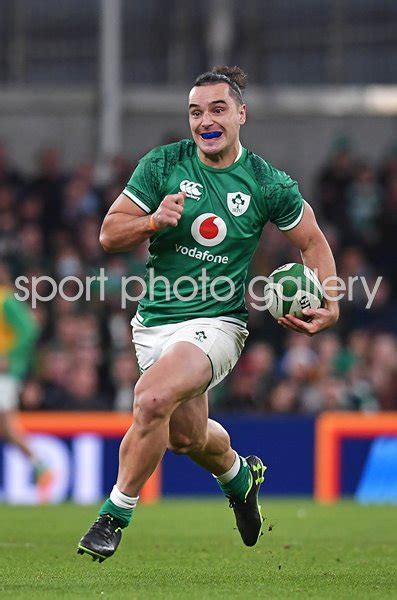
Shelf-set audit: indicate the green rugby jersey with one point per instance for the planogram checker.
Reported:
(205, 259)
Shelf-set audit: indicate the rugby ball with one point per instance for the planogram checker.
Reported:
(290, 289)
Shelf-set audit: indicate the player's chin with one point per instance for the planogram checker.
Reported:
(212, 146)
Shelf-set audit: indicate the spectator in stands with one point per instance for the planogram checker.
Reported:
(8, 175)
(55, 369)
(364, 202)
(83, 390)
(124, 374)
(334, 181)
(388, 167)
(383, 370)
(328, 393)
(386, 256)
(284, 398)
(251, 380)
(48, 185)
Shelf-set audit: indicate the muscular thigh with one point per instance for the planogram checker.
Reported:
(181, 373)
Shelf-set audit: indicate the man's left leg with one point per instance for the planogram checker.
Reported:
(207, 443)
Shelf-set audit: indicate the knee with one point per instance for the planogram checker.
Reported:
(150, 405)
(180, 443)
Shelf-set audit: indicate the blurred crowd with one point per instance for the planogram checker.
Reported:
(49, 225)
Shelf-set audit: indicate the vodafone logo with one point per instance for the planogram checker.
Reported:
(209, 230)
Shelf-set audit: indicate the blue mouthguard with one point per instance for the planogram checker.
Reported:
(211, 134)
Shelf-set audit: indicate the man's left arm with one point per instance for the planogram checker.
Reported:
(317, 255)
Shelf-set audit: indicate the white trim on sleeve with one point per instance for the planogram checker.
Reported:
(294, 223)
(136, 200)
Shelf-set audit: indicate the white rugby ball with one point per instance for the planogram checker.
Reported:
(290, 289)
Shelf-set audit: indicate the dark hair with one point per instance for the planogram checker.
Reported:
(234, 76)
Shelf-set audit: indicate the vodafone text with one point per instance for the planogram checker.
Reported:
(200, 255)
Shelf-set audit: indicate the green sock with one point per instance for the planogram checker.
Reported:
(240, 485)
(123, 515)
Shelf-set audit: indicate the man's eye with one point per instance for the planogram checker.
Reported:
(195, 113)
(218, 110)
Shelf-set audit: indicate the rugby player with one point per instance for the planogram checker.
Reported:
(18, 336)
(203, 203)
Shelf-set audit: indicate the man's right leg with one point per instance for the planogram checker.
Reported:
(183, 372)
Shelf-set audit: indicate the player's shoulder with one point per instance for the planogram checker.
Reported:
(171, 154)
(265, 173)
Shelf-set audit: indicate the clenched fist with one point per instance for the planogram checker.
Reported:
(170, 211)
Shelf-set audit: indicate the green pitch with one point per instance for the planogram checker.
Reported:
(188, 549)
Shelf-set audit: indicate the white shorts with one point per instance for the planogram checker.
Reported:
(220, 338)
(9, 392)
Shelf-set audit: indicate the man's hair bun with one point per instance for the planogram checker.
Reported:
(235, 74)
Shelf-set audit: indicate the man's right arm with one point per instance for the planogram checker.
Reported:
(126, 225)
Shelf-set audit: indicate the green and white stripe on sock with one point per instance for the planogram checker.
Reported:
(120, 506)
(237, 481)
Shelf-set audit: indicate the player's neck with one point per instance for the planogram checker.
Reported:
(223, 159)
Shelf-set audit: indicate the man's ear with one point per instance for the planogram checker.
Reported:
(242, 113)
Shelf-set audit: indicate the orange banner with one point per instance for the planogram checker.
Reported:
(331, 430)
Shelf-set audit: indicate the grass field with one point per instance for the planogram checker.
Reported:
(188, 549)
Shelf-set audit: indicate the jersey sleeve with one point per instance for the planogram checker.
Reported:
(285, 202)
(144, 186)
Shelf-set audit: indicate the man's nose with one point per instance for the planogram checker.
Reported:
(207, 119)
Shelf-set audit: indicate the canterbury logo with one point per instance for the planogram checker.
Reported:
(191, 189)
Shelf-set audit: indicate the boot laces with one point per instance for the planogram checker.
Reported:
(106, 525)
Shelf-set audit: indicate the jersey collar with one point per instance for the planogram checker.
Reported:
(240, 151)
(237, 160)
